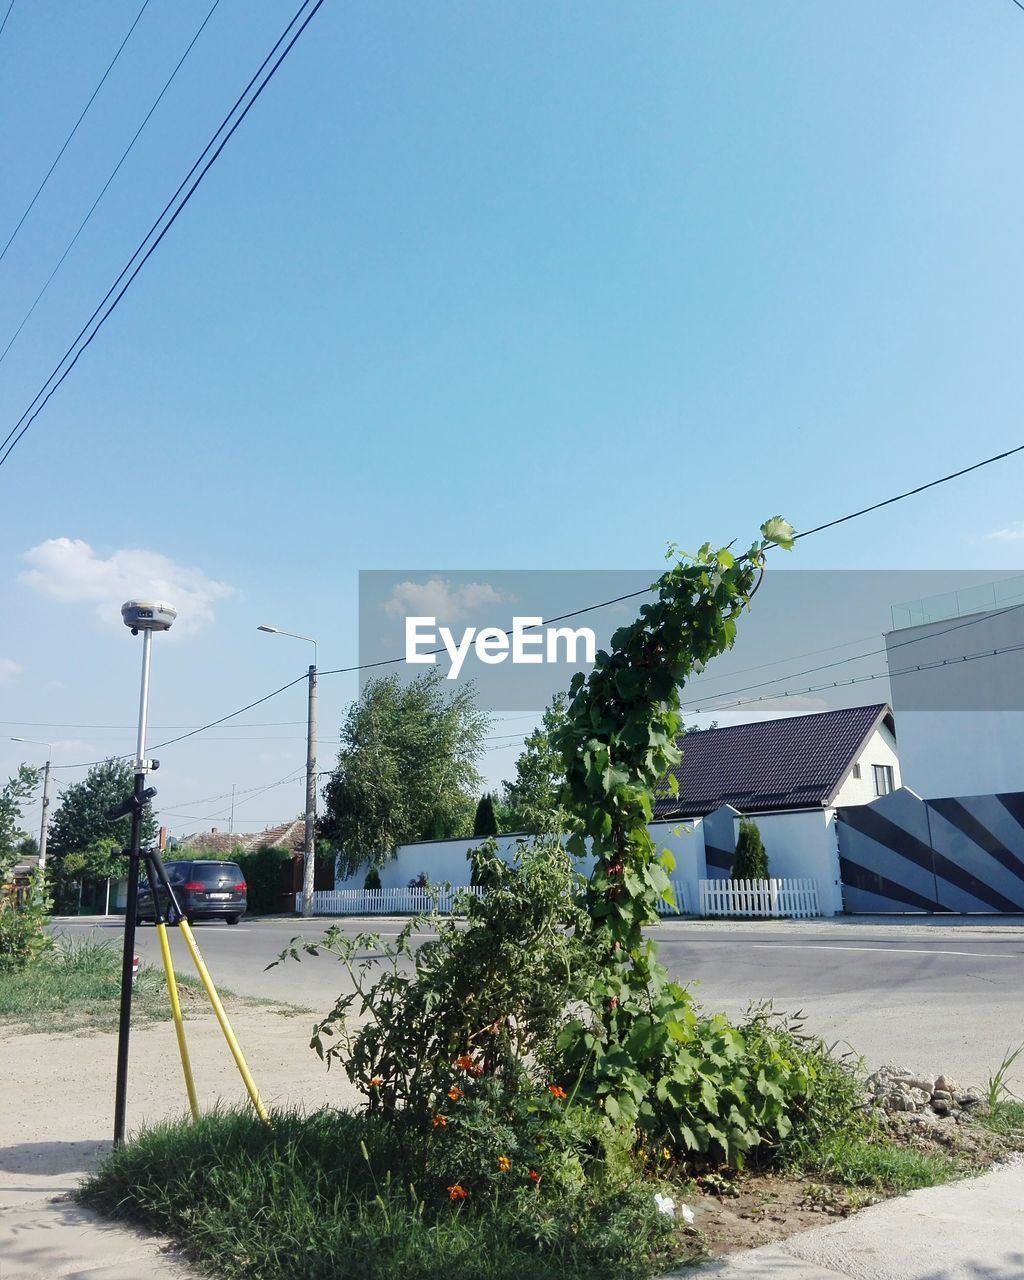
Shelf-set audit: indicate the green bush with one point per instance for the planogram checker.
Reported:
(372, 881)
(23, 934)
(262, 871)
(485, 823)
(751, 861)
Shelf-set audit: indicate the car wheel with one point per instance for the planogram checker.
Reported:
(189, 918)
(232, 919)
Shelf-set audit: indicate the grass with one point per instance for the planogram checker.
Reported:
(1006, 1119)
(877, 1163)
(77, 985)
(334, 1193)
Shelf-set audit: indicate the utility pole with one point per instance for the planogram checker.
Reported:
(231, 821)
(44, 825)
(309, 852)
(309, 843)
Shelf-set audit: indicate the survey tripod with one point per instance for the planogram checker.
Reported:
(167, 912)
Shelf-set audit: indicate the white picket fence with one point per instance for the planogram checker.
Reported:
(797, 899)
(404, 902)
(385, 902)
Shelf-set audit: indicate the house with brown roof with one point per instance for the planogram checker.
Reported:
(794, 763)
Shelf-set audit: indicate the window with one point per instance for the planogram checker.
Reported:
(883, 779)
(856, 770)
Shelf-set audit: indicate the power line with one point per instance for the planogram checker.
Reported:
(6, 16)
(873, 653)
(114, 172)
(909, 493)
(192, 733)
(42, 396)
(875, 675)
(67, 140)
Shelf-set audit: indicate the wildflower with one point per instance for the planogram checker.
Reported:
(455, 1093)
(534, 1176)
(504, 1164)
(440, 1122)
(457, 1192)
(686, 1213)
(666, 1154)
(665, 1204)
(376, 1082)
(556, 1090)
(465, 1061)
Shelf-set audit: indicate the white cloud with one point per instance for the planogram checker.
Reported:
(9, 669)
(1014, 532)
(437, 598)
(68, 569)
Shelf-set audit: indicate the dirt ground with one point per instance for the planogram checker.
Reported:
(56, 1113)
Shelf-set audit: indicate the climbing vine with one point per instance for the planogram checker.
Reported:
(640, 1052)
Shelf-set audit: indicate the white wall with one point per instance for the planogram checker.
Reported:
(962, 753)
(445, 860)
(880, 748)
(803, 845)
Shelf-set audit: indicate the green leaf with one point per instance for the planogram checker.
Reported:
(780, 532)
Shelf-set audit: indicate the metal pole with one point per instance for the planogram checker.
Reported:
(310, 843)
(131, 907)
(44, 825)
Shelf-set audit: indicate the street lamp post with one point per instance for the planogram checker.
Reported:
(44, 824)
(309, 846)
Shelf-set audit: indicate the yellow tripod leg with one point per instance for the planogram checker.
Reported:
(179, 1025)
(225, 1026)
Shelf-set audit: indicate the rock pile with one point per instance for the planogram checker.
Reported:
(896, 1089)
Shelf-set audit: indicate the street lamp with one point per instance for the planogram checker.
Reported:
(309, 847)
(44, 825)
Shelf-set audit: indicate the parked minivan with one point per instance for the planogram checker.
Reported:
(205, 890)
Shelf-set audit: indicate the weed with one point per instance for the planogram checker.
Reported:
(998, 1090)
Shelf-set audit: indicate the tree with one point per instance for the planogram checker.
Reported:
(83, 844)
(406, 769)
(751, 861)
(534, 799)
(486, 821)
(13, 796)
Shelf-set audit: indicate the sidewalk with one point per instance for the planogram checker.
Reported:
(972, 1230)
(44, 1235)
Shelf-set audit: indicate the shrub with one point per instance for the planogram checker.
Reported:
(262, 871)
(372, 880)
(751, 861)
(486, 821)
(23, 934)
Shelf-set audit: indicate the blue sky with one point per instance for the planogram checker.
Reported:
(484, 286)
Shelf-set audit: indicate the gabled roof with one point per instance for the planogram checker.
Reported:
(287, 835)
(797, 762)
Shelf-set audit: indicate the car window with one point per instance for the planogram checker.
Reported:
(215, 872)
(177, 872)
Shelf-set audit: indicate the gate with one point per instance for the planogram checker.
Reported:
(957, 853)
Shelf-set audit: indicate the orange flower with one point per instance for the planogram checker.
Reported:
(455, 1093)
(457, 1192)
(440, 1122)
(534, 1176)
(376, 1082)
(556, 1090)
(465, 1061)
(504, 1164)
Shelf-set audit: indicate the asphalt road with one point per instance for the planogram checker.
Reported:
(935, 997)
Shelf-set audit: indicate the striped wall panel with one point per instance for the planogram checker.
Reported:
(958, 853)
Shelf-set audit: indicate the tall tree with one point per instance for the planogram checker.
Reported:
(406, 769)
(13, 795)
(83, 844)
(533, 800)
(486, 821)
